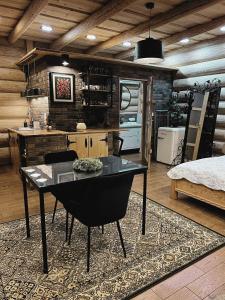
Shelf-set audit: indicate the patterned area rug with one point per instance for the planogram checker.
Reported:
(170, 243)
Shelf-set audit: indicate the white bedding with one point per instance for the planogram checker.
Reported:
(207, 171)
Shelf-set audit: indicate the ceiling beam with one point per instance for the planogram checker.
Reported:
(98, 17)
(178, 12)
(125, 54)
(27, 19)
(175, 38)
(37, 53)
(195, 30)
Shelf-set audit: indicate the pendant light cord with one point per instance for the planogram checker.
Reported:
(150, 17)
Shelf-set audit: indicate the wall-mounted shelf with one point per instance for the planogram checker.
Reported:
(94, 74)
(97, 90)
(103, 91)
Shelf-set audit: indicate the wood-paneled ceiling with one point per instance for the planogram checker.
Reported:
(113, 22)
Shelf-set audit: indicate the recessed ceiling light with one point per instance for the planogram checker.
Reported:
(46, 28)
(222, 28)
(127, 44)
(184, 41)
(91, 37)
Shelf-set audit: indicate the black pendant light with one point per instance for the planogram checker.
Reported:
(149, 51)
(65, 60)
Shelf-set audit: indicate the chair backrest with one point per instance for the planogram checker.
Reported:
(56, 157)
(118, 138)
(100, 200)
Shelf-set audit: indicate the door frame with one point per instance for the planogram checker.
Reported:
(147, 103)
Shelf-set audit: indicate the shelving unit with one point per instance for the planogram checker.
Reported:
(194, 129)
(98, 90)
(201, 126)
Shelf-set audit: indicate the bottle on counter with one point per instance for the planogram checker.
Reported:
(25, 123)
(31, 122)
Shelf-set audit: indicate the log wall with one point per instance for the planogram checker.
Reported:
(13, 108)
(199, 64)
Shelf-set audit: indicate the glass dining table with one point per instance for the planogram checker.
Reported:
(45, 177)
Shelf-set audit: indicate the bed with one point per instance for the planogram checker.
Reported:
(202, 179)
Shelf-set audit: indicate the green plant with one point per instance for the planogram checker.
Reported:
(175, 112)
(87, 165)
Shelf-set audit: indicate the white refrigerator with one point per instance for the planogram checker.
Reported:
(169, 140)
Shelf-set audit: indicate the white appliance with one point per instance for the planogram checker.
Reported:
(132, 136)
(169, 140)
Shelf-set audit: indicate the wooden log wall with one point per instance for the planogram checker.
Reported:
(200, 65)
(13, 108)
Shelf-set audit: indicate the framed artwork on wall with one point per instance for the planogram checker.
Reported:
(62, 87)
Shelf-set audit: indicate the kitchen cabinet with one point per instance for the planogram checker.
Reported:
(89, 145)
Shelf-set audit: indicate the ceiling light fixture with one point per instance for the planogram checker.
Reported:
(222, 28)
(91, 37)
(184, 41)
(46, 28)
(127, 44)
(65, 60)
(149, 51)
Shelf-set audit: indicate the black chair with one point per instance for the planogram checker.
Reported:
(56, 157)
(102, 200)
(120, 140)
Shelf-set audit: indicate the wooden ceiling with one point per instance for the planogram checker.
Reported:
(112, 21)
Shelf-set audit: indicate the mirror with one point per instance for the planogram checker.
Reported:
(125, 97)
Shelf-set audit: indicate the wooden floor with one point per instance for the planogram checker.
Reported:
(202, 280)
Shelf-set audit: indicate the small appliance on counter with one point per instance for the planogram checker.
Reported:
(81, 126)
(169, 141)
(36, 125)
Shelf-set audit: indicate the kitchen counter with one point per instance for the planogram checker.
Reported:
(44, 132)
(97, 130)
(130, 125)
(28, 147)
(37, 132)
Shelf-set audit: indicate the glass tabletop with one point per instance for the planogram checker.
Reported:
(46, 176)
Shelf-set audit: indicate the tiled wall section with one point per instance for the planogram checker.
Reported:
(39, 107)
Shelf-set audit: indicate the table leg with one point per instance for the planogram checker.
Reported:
(43, 233)
(26, 209)
(144, 202)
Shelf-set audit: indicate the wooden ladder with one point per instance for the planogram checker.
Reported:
(194, 128)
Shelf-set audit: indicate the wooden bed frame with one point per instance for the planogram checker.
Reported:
(197, 191)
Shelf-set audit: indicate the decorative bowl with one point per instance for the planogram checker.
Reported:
(87, 165)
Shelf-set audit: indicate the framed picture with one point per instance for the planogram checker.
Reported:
(62, 87)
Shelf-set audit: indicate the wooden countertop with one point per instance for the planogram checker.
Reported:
(38, 132)
(97, 130)
(44, 132)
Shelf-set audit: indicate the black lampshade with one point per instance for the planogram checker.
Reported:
(149, 51)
